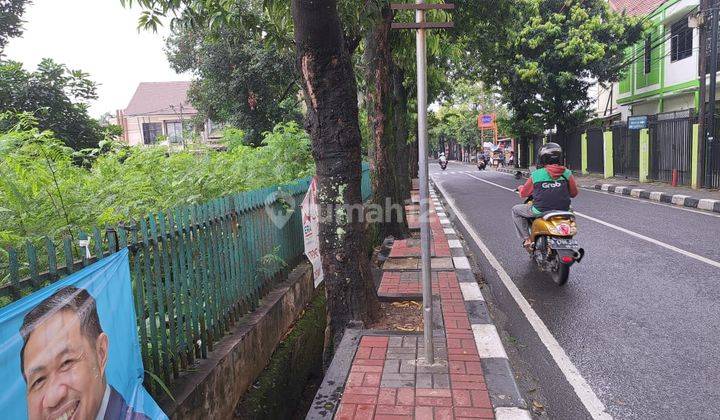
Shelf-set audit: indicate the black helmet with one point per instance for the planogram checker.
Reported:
(550, 154)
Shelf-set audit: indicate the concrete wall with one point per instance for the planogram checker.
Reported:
(214, 388)
(679, 102)
(646, 108)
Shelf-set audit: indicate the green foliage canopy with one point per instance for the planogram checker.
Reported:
(242, 79)
(56, 95)
(44, 193)
(544, 55)
(11, 12)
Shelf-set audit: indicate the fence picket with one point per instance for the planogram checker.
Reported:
(149, 291)
(13, 268)
(68, 251)
(139, 295)
(52, 259)
(158, 285)
(97, 239)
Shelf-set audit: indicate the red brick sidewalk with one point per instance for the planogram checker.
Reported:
(411, 248)
(386, 382)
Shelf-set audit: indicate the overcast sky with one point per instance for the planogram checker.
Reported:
(99, 37)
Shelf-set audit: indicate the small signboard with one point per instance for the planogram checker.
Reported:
(638, 122)
(486, 121)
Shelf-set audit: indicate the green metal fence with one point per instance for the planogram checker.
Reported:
(196, 270)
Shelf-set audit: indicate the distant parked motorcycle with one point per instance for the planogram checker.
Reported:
(554, 248)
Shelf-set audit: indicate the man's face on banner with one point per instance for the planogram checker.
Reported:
(64, 369)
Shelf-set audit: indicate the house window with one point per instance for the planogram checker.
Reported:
(151, 132)
(174, 130)
(648, 54)
(681, 40)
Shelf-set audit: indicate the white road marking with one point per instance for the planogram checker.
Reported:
(449, 231)
(512, 413)
(587, 396)
(623, 230)
(653, 241)
(654, 203)
(471, 291)
(487, 341)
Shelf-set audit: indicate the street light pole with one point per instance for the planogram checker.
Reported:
(421, 25)
(425, 238)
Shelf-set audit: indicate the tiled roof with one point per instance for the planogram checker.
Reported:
(635, 7)
(155, 98)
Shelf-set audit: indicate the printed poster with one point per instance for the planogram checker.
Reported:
(70, 350)
(311, 231)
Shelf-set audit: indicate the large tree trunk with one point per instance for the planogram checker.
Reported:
(400, 96)
(332, 121)
(384, 145)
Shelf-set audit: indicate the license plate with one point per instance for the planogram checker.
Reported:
(563, 243)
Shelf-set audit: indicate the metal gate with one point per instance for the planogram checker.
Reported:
(572, 148)
(671, 147)
(626, 151)
(712, 159)
(573, 151)
(595, 150)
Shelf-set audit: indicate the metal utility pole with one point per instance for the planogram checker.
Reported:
(421, 26)
(711, 141)
(702, 78)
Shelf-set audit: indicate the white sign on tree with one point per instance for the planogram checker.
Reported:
(311, 231)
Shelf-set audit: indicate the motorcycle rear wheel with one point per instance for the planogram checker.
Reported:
(561, 274)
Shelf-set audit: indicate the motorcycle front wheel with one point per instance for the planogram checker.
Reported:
(561, 274)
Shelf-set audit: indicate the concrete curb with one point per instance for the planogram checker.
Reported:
(660, 197)
(505, 395)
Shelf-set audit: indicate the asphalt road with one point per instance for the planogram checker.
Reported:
(638, 320)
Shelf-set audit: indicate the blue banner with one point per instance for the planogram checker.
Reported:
(70, 350)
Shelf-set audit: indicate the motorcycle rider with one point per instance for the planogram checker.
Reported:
(442, 158)
(552, 186)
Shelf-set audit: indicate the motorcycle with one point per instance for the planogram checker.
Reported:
(443, 164)
(482, 164)
(554, 248)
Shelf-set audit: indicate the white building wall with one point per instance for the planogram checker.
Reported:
(646, 108)
(679, 102)
(134, 126)
(684, 70)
